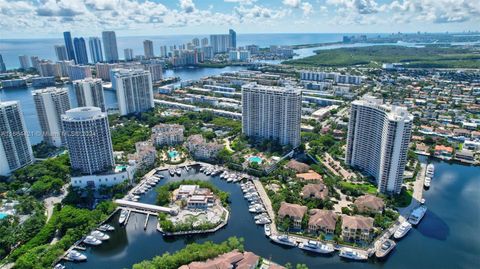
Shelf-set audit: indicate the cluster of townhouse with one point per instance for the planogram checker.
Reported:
(356, 228)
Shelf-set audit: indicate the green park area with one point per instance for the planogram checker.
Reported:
(412, 57)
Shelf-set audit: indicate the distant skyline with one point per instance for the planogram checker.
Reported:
(49, 18)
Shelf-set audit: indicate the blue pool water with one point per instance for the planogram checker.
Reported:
(255, 159)
(172, 154)
(3, 215)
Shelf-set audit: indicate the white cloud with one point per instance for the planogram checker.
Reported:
(292, 3)
(187, 5)
(241, 2)
(307, 8)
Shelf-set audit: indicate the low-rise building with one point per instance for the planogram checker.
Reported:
(298, 166)
(167, 134)
(322, 221)
(369, 203)
(294, 212)
(443, 152)
(357, 228)
(195, 197)
(120, 174)
(201, 149)
(145, 154)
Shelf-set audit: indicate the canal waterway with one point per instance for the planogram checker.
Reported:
(446, 238)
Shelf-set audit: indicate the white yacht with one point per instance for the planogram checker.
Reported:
(317, 247)
(351, 254)
(178, 171)
(417, 215)
(59, 266)
(123, 216)
(267, 229)
(430, 170)
(427, 182)
(76, 256)
(283, 240)
(171, 171)
(90, 240)
(263, 221)
(106, 228)
(99, 235)
(402, 230)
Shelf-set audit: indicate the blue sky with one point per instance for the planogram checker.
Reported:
(48, 18)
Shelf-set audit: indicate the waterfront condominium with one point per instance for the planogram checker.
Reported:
(220, 43)
(61, 52)
(24, 62)
(134, 90)
(88, 140)
(89, 92)
(272, 113)
(69, 45)
(95, 49)
(377, 143)
(15, 148)
(110, 46)
(148, 49)
(103, 70)
(50, 104)
(128, 54)
(81, 55)
(233, 38)
(3, 68)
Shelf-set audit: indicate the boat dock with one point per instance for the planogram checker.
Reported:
(144, 208)
(267, 203)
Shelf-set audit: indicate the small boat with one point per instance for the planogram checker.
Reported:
(422, 201)
(99, 235)
(351, 254)
(123, 216)
(283, 240)
(386, 247)
(59, 266)
(171, 171)
(76, 256)
(263, 221)
(430, 170)
(259, 216)
(187, 168)
(427, 182)
(178, 171)
(267, 230)
(202, 168)
(417, 215)
(402, 230)
(106, 228)
(317, 247)
(90, 240)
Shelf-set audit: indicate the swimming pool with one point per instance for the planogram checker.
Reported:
(3, 215)
(255, 159)
(172, 154)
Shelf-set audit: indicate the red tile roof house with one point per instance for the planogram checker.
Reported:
(357, 228)
(298, 166)
(443, 152)
(322, 221)
(294, 212)
(317, 191)
(369, 203)
(230, 260)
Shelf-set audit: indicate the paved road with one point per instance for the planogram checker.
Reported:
(417, 193)
(50, 202)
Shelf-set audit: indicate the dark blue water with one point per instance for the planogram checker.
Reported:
(447, 237)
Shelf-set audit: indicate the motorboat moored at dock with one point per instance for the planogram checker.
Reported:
(417, 215)
(317, 247)
(76, 256)
(123, 216)
(99, 235)
(283, 240)
(386, 247)
(351, 254)
(402, 230)
(91, 240)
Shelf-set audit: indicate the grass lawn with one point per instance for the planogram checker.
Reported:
(364, 187)
(403, 199)
(427, 57)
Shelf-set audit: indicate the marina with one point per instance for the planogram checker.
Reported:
(125, 245)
